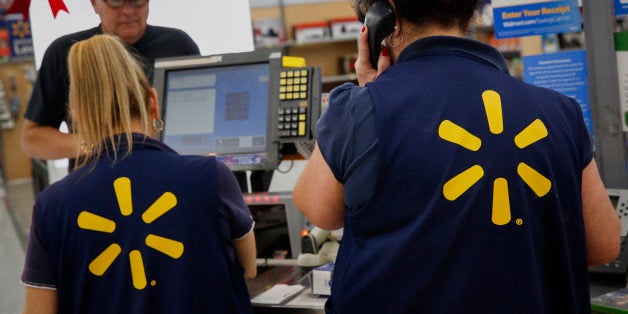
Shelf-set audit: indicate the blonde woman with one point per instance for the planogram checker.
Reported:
(137, 228)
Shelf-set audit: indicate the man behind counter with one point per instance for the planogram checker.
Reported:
(47, 107)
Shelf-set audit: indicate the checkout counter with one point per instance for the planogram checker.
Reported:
(280, 231)
(280, 227)
(295, 283)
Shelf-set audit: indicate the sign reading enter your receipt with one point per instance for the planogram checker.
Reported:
(517, 18)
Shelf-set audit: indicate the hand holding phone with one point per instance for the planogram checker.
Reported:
(380, 22)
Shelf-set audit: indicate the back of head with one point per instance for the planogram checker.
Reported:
(109, 94)
(443, 13)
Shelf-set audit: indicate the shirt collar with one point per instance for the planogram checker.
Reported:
(454, 45)
(149, 29)
(141, 141)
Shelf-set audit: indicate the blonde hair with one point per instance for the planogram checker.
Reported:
(108, 92)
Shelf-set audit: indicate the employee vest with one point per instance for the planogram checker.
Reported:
(477, 205)
(141, 236)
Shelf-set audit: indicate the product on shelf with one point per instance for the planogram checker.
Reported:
(314, 31)
(345, 28)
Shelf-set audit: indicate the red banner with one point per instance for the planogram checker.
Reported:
(22, 6)
(56, 6)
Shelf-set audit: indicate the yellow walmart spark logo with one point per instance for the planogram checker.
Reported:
(459, 184)
(102, 262)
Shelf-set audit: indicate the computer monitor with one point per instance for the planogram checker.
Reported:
(221, 105)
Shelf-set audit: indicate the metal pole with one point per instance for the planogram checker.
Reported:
(598, 19)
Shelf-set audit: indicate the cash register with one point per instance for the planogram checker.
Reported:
(249, 110)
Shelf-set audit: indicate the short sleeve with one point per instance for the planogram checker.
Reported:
(333, 130)
(38, 271)
(191, 46)
(347, 130)
(47, 104)
(347, 138)
(232, 205)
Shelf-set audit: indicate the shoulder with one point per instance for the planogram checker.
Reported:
(348, 92)
(69, 39)
(347, 98)
(57, 196)
(168, 32)
(543, 94)
(193, 163)
(171, 39)
(66, 184)
(165, 30)
(60, 47)
(222, 169)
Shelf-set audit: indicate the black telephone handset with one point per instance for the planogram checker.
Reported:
(380, 22)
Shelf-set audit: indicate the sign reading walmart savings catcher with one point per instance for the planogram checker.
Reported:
(516, 18)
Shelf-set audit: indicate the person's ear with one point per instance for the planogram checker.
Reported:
(397, 30)
(94, 6)
(153, 105)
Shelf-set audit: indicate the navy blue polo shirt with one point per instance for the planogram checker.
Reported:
(151, 233)
(462, 188)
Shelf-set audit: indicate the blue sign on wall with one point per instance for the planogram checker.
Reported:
(621, 7)
(536, 18)
(21, 39)
(564, 72)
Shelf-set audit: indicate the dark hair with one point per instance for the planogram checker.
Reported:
(445, 13)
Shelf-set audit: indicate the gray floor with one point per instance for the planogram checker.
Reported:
(16, 201)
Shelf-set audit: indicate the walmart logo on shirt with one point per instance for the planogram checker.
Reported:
(101, 263)
(459, 184)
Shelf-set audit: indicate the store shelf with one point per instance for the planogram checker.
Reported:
(339, 78)
(321, 42)
(7, 60)
(292, 43)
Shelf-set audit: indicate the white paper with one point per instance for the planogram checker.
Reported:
(277, 294)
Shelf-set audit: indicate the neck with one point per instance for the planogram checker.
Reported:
(127, 40)
(136, 127)
(410, 33)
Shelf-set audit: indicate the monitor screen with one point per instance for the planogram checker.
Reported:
(222, 110)
(219, 108)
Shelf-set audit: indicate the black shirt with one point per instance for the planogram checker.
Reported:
(48, 102)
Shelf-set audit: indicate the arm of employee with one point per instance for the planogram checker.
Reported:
(46, 142)
(238, 216)
(602, 226)
(40, 301)
(319, 195)
(246, 254)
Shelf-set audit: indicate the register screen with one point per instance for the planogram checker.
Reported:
(217, 110)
